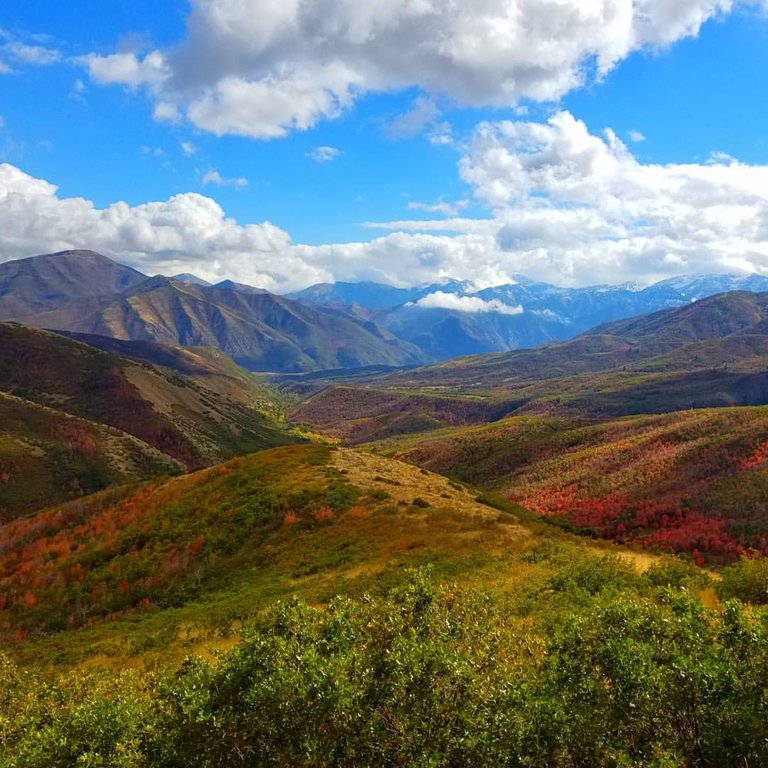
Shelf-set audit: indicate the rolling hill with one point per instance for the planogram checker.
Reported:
(286, 581)
(210, 547)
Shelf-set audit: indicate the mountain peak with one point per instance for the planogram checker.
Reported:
(190, 279)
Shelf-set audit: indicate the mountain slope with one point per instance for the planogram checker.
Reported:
(84, 292)
(517, 645)
(196, 420)
(452, 318)
(712, 353)
(47, 456)
(692, 481)
(259, 330)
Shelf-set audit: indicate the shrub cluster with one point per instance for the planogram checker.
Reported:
(428, 676)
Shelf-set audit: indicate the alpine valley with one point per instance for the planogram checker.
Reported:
(242, 529)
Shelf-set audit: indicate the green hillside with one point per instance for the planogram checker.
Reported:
(77, 419)
(47, 456)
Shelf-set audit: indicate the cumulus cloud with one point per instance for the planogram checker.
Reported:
(127, 68)
(323, 154)
(568, 206)
(188, 232)
(582, 204)
(472, 304)
(635, 136)
(188, 148)
(261, 68)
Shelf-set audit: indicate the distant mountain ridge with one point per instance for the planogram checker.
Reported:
(85, 292)
(711, 353)
(451, 318)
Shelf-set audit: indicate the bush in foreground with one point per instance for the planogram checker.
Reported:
(426, 676)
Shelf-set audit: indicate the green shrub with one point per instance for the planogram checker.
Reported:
(746, 580)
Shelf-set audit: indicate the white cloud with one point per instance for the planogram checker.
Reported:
(188, 148)
(4, 68)
(262, 68)
(166, 112)
(472, 304)
(442, 206)
(568, 207)
(35, 55)
(323, 154)
(635, 136)
(214, 177)
(584, 206)
(127, 68)
(186, 233)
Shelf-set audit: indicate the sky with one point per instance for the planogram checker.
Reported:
(287, 142)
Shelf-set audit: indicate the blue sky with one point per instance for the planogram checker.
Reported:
(74, 119)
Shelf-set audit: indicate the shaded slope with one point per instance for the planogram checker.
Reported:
(47, 456)
(193, 423)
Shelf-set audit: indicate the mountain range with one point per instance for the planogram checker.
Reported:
(709, 353)
(341, 325)
(451, 318)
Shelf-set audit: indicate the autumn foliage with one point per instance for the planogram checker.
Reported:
(134, 547)
(693, 481)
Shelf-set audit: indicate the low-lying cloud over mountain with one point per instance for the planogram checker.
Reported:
(471, 304)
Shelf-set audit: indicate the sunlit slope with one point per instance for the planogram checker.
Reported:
(693, 481)
(181, 561)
